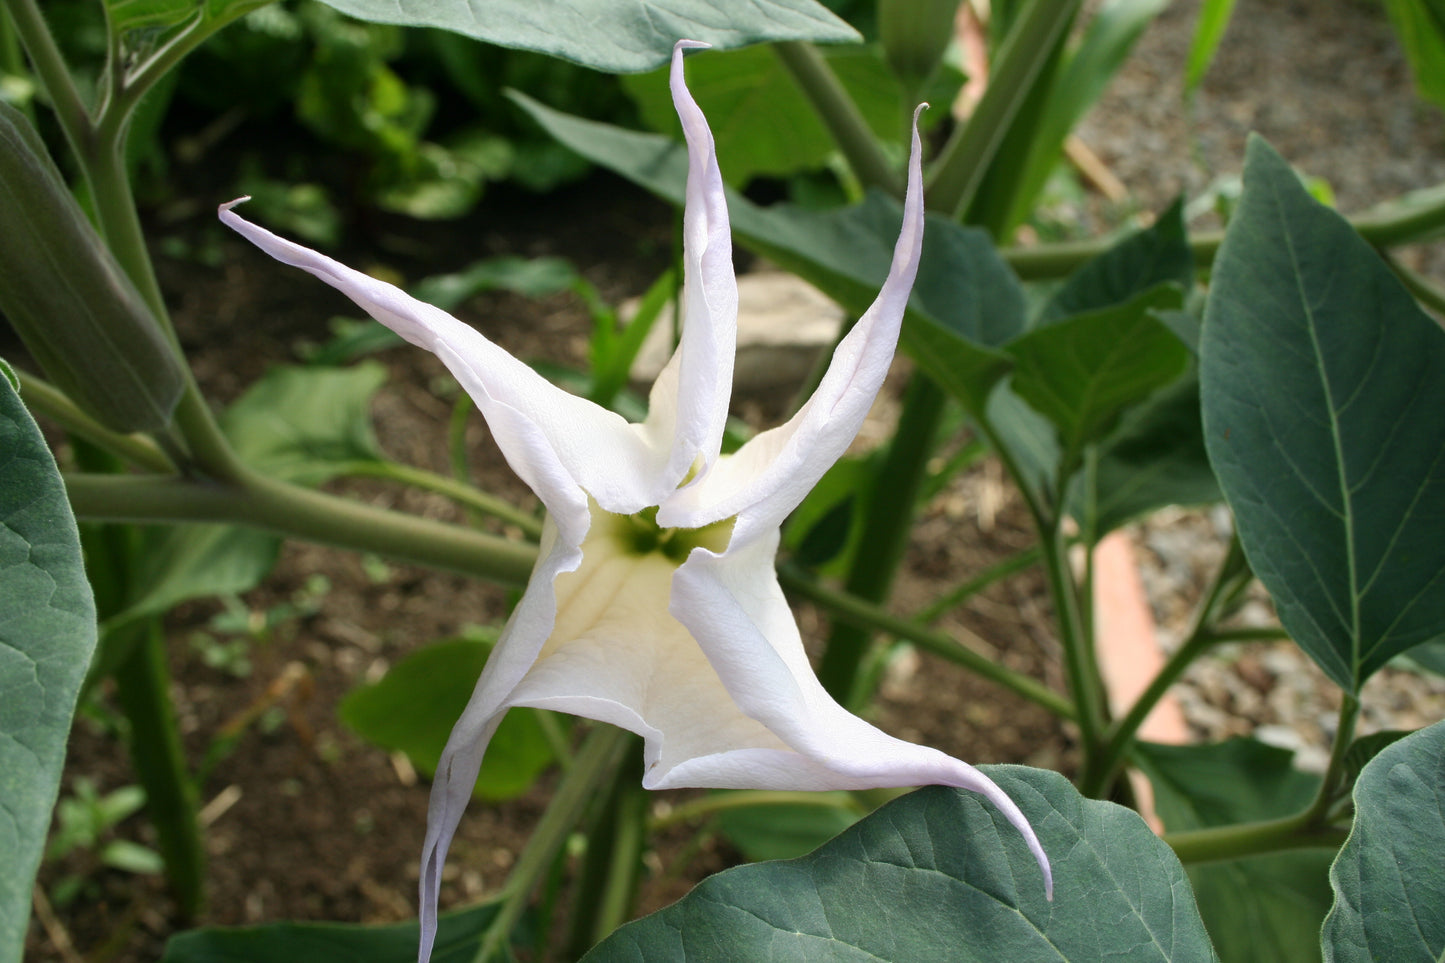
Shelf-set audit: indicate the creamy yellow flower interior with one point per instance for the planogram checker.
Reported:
(641, 535)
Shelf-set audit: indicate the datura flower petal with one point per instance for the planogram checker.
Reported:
(654, 604)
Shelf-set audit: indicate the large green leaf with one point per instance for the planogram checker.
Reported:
(413, 707)
(127, 15)
(459, 937)
(1084, 372)
(1389, 882)
(966, 302)
(940, 875)
(47, 635)
(612, 35)
(1264, 909)
(1323, 388)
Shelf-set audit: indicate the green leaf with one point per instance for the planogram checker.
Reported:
(761, 122)
(459, 936)
(1421, 26)
(47, 636)
(785, 831)
(1258, 910)
(966, 302)
(1084, 372)
(1364, 749)
(1157, 255)
(127, 15)
(1208, 31)
(940, 875)
(1389, 890)
(414, 706)
(619, 37)
(1156, 457)
(1323, 388)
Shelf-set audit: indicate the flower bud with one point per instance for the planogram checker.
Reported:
(62, 291)
(915, 33)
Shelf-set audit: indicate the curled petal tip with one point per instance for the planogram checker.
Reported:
(682, 45)
(230, 204)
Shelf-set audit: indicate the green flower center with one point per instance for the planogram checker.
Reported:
(641, 535)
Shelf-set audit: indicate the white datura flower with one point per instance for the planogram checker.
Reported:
(654, 604)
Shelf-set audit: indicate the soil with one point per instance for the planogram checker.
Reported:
(305, 820)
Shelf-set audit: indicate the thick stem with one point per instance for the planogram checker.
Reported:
(810, 71)
(976, 657)
(1253, 839)
(302, 513)
(966, 157)
(1079, 663)
(469, 497)
(143, 691)
(886, 529)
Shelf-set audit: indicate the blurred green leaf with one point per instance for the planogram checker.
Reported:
(1208, 31)
(783, 831)
(1323, 388)
(47, 636)
(608, 35)
(1421, 26)
(459, 936)
(940, 875)
(1263, 909)
(1389, 890)
(414, 706)
(127, 15)
(761, 122)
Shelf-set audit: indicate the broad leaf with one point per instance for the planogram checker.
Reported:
(1154, 458)
(613, 35)
(413, 707)
(47, 636)
(1258, 910)
(966, 302)
(1083, 372)
(1323, 388)
(1140, 261)
(940, 875)
(1389, 888)
(459, 936)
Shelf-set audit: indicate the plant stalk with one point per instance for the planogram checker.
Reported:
(977, 657)
(810, 71)
(290, 510)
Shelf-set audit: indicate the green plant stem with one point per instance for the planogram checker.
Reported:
(1252, 839)
(714, 803)
(1102, 768)
(1384, 226)
(45, 399)
(464, 494)
(1012, 565)
(50, 68)
(1425, 291)
(976, 655)
(1249, 633)
(967, 156)
(143, 692)
(886, 528)
(1311, 828)
(593, 767)
(619, 892)
(290, 510)
(1079, 663)
(810, 71)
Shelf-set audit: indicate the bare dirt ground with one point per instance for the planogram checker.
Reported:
(309, 822)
